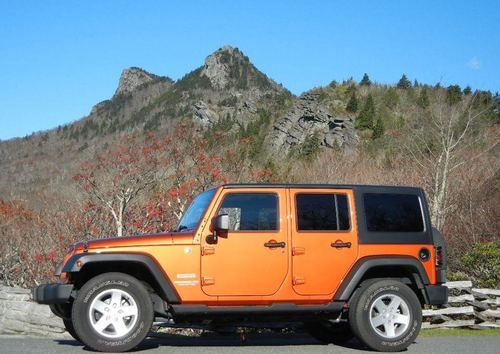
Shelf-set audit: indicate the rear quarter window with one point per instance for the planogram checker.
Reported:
(386, 212)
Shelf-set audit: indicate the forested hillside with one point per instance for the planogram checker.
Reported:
(133, 164)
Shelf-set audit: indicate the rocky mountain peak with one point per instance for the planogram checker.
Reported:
(218, 66)
(131, 78)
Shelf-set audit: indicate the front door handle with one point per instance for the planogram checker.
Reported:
(272, 244)
(340, 244)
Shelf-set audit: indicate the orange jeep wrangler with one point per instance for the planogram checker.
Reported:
(346, 260)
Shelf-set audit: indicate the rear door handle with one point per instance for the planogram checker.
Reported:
(339, 244)
(274, 244)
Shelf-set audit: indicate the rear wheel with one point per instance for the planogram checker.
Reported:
(386, 315)
(326, 331)
(112, 312)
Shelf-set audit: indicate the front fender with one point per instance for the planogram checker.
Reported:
(78, 262)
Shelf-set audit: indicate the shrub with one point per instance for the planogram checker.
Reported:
(453, 94)
(352, 105)
(482, 263)
(391, 98)
(378, 129)
(308, 149)
(423, 99)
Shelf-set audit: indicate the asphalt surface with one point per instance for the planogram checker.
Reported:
(254, 343)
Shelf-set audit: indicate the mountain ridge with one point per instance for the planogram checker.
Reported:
(227, 94)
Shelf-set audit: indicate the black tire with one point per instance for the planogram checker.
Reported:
(394, 334)
(109, 339)
(327, 332)
(68, 324)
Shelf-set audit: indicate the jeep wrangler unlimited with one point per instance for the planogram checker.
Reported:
(346, 260)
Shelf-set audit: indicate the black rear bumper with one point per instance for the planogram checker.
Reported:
(52, 293)
(436, 294)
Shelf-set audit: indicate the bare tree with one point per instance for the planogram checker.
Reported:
(116, 178)
(445, 131)
(193, 167)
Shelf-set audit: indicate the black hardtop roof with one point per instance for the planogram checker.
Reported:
(323, 186)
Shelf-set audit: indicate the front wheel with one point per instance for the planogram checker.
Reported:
(386, 315)
(112, 312)
(68, 324)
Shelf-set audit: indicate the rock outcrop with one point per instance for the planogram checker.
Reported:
(20, 315)
(229, 68)
(217, 66)
(307, 117)
(132, 78)
(228, 84)
(203, 114)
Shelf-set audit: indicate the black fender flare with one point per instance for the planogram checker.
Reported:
(78, 262)
(355, 275)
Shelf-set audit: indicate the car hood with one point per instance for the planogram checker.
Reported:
(139, 240)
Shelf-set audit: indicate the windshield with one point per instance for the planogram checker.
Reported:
(192, 216)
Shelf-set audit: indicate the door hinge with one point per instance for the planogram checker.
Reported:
(207, 250)
(298, 281)
(207, 281)
(298, 251)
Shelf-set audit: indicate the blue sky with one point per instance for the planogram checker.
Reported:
(59, 58)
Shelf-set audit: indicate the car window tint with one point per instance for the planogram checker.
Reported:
(393, 212)
(251, 211)
(322, 212)
(343, 212)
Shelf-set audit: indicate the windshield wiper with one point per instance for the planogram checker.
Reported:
(181, 227)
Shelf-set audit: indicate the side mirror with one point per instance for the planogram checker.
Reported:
(221, 223)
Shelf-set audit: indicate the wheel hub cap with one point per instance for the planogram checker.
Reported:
(113, 313)
(389, 316)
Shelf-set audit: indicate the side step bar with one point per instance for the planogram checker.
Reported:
(279, 309)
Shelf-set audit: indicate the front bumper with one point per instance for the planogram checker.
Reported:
(52, 293)
(436, 294)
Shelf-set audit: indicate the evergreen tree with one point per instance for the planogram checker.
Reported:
(391, 98)
(453, 94)
(379, 129)
(352, 105)
(404, 83)
(334, 83)
(423, 99)
(416, 83)
(365, 117)
(350, 89)
(365, 81)
(467, 90)
(310, 147)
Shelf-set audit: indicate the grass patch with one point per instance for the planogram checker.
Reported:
(445, 332)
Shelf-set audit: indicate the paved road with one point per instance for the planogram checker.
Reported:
(264, 343)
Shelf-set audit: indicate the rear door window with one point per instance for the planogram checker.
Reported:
(322, 212)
